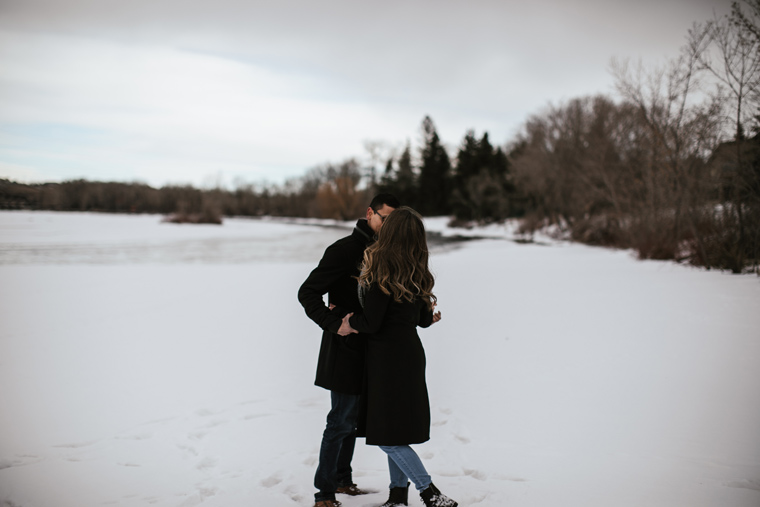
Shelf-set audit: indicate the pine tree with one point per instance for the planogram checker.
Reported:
(482, 184)
(406, 180)
(400, 179)
(435, 173)
(467, 158)
(467, 167)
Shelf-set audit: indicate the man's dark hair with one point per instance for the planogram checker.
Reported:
(384, 199)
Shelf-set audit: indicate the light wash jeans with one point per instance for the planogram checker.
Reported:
(405, 465)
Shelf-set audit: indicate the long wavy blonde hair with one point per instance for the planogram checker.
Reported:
(398, 261)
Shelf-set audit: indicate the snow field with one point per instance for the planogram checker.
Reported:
(559, 375)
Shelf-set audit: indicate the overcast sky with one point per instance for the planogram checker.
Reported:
(191, 91)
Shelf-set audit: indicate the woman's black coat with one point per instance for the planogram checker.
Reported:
(397, 410)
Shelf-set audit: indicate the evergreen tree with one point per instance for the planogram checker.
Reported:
(388, 180)
(467, 159)
(482, 187)
(485, 155)
(406, 180)
(467, 166)
(400, 179)
(435, 173)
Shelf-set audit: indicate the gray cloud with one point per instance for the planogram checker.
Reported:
(477, 64)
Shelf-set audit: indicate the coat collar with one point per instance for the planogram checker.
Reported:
(364, 232)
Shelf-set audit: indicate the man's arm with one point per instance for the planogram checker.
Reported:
(331, 268)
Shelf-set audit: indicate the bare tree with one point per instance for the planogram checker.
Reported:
(682, 126)
(749, 19)
(339, 196)
(733, 60)
(378, 152)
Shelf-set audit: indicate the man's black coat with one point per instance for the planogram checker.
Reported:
(341, 358)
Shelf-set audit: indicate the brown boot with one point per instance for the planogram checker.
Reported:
(327, 503)
(352, 490)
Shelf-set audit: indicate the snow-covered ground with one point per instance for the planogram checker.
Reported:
(144, 363)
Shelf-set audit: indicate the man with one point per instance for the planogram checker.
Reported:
(340, 367)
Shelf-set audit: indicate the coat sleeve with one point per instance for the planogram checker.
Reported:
(426, 316)
(330, 269)
(375, 306)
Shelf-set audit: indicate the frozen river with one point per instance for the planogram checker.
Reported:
(98, 238)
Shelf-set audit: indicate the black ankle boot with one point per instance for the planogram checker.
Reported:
(398, 496)
(434, 498)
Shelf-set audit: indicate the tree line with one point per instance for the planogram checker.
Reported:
(669, 166)
(477, 187)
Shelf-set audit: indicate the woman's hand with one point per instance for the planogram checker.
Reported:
(345, 328)
(436, 315)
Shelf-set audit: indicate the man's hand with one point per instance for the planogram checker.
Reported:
(345, 328)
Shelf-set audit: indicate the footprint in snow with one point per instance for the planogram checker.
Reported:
(745, 484)
(19, 461)
(255, 416)
(311, 402)
(477, 499)
(249, 402)
(197, 435)
(271, 481)
(159, 421)
(214, 424)
(136, 436)
(206, 463)
(76, 445)
(511, 478)
(462, 439)
(475, 474)
(199, 495)
(188, 449)
(293, 493)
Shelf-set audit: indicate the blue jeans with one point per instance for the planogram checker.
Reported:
(338, 441)
(403, 465)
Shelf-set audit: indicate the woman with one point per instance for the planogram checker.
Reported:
(395, 287)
